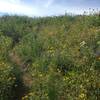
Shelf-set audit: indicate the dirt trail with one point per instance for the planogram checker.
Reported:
(17, 60)
(25, 81)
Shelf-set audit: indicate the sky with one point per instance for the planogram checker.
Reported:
(47, 7)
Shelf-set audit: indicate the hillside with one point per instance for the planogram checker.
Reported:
(50, 58)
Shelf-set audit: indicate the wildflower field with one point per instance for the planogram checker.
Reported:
(50, 58)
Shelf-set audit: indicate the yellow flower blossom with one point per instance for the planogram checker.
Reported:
(82, 95)
(30, 93)
(40, 75)
(65, 78)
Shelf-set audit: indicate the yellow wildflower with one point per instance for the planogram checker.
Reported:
(82, 95)
(30, 93)
(26, 97)
(40, 75)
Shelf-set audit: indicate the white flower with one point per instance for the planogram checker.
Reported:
(82, 43)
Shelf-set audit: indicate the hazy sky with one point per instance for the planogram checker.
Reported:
(46, 7)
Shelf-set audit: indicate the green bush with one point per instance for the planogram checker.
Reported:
(7, 80)
(5, 45)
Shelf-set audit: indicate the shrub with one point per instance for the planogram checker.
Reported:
(7, 80)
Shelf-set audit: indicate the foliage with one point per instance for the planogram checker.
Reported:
(6, 80)
(54, 58)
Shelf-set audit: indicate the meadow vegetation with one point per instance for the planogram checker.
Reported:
(50, 58)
